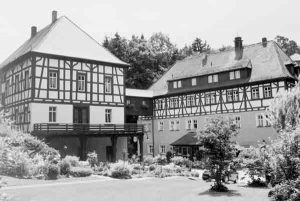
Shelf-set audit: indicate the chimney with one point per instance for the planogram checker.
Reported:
(33, 31)
(238, 46)
(264, 42)
(54, 16)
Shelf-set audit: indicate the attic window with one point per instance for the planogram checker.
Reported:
(194, 81)
(213, 78)
(177, 84)
(234, 75)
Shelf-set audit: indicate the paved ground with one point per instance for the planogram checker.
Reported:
(148, 189)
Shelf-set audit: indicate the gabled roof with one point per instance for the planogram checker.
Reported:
(64, 38)
(139, 93)
(266, 63)
(187, 140)
(295, 57)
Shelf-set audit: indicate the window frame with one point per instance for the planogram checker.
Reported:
(189, 124)
(260, 120)
(17, 83)
(195, 124)
(150, 149)
(194, 81)
(26, 80)
(108, 115)
(270, 92)
(161, 126)
(52, 114)
(106, 77)
(237, 122)
(51, 79)
(162, 149)
(80, 81)
(252, 97)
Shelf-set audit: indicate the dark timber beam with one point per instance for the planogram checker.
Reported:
(83, 145)
(114, 148)
(141, 142)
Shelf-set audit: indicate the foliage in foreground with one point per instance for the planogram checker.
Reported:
(216, 139)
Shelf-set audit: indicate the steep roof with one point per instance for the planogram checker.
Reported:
(295, 57)
(266, 63)
(64, 38)
(187, 140)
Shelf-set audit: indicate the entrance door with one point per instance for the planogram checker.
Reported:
(81, 118)
(81, 115)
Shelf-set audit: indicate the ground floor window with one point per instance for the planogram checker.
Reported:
(107, 115)
(52, 114)
(150, 149)
(162, 149)
(259, 120)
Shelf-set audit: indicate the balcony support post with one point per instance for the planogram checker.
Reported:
(114, 148)
(83, 150)
(141, 142)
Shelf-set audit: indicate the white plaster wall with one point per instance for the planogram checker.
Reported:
(40, 113)
(97, 114)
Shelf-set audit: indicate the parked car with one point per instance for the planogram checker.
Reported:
(231, 175)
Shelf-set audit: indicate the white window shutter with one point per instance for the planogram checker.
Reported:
(170, 125)
(256, 120)
(158, 125)
(186, 125)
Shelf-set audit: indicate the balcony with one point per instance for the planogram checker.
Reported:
(89, 130)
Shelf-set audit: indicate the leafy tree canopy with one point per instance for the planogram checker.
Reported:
(290, 47)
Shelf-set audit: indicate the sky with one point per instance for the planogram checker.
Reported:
(216, 21)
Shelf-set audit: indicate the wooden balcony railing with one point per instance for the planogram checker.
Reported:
(87, 129)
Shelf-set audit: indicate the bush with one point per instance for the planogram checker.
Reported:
(257, 182)
(65, 166)
(198, 165)
(289, 190)
(169, 156)
(92, 158)
(53, 171)
(194, 174)
(178, 160)
(81, 171)
(73, 160)
(152, 167)
(160, 160)
(148, 160)
(120, 170)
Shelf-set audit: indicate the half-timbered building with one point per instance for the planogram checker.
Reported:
(63, 85)
(239, 83)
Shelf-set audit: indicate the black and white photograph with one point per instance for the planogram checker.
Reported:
(150, 100)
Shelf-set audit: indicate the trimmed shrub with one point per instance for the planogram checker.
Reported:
(120, 170)
(160, 160)
(92, 158)
(73, 160)
(289, 190)
(148, 160)
(53, 171)
(178, 160)
(169, 156)
(81, 171)
(152, 167)
(65, 167)
(194, 174)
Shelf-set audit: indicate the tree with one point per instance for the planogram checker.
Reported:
(216, 137)
(200, 46)
(288, 46)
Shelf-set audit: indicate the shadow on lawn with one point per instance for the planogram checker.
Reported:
(230, 193)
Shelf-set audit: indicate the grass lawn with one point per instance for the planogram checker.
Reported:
(145, 189)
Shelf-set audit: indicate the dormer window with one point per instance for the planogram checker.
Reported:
(233, 75)
(177, 84)
(213, 78)
(194, 81)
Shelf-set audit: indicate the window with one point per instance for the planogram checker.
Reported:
(189, 124)
(162, 149)
(177, 125)
(267, 92)
(107, 115)
(160, 104)
(81, 82)
(268, 123)
(190, 101)
(177, 84)
(172, 103)
(26, 113)
(144, 103)
(172, 125)
(207, 99)
(210, 98)
(232, 95)
(108, 84)
(194, 81)
(52, 114)
(161, 126)
(255, 93)
(150, 149)
(17, 83)
(237, 121)
(260, 120)
(195, 123)
(52, 79)
(213, 78)
(128, 102)
(26, 84)
(234, 75)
